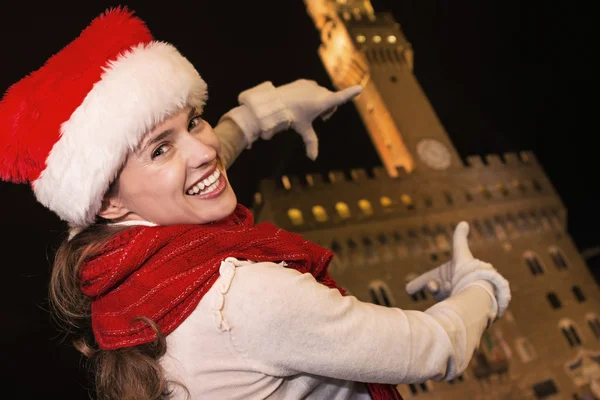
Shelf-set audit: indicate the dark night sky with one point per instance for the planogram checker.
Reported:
(502, 76)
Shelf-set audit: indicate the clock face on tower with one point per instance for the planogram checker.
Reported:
(434, 154)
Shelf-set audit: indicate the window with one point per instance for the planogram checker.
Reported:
(519, 185)
(380, 294)
(593, 321)
(416, 388)
(342, 209)
(428, 201)
(485, 191)
(365, 207)
(419, 296)
(558, 258)
(458, 379)
(578, 294)
(385, 201)
(499, 228)
(369, 249)
(448, 197)
(525, 350)
(336, 247)
(407, 201)
(534, 263)
(295, 216)
(570, 332)
(319, 213)
(554, 300)
(545, 389)
(285, 182)
(502, 189)
(352, 244)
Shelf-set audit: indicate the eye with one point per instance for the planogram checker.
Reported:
(159, 151)
(195, 122)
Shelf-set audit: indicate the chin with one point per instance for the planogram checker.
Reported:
(230, 199)
(225, 207)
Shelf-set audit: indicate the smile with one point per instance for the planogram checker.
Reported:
(210, 186)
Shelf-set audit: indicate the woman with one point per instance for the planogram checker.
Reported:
(176, 293)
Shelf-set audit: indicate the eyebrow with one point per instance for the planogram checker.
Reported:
(157, 138)
(164, 134)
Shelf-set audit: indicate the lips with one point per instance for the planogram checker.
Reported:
(205, 176)
(207, 185)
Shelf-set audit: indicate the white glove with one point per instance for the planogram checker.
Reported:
(463, 270)
(266, 110)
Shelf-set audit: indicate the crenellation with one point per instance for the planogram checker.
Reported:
(380, 173)
(402, 173)
(494, 160)
(512, 159)
(316, 179)
(336, 176)
(528, 157)
(295, 182)
(359, 175)
(475, 161)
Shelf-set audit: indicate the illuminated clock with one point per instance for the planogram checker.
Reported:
(434, 153)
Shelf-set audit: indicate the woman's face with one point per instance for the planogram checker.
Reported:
(176, 176)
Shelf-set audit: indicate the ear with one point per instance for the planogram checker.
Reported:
(112, 207)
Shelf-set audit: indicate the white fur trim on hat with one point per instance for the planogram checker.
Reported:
(135, 93)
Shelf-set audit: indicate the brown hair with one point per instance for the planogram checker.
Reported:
(124, 374)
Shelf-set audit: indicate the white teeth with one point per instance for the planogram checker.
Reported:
(207, 185)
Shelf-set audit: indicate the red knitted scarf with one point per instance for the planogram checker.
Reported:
(162, 273)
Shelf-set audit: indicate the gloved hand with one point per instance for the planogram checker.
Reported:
(266, 110)
(463, 270)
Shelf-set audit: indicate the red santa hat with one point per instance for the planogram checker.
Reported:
(68, 127)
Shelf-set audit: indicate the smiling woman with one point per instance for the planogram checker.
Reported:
(181, 154)
(171, 289)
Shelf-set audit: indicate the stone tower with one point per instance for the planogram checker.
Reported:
(389, 224)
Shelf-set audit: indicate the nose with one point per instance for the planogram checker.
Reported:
(197, 152)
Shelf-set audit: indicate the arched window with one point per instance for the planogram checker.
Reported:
(593, 321)
(533, 262)
(525, 350)
(319, 213)
(365, 207)
(554, 300)
(295, 216)
(558, 258)
(419, 296)
(343, 210)
(570, 332)
(381, 294)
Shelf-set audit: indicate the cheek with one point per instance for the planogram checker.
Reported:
(211, 139)
(154, 185)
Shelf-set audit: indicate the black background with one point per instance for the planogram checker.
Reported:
(502, 76)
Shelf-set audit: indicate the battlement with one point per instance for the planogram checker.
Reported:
(357, 196)
(492, 162)
(523, 158)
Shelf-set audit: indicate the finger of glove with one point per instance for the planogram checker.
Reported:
(342, 96)
(460, 244)
(327, 114)
(420, 282)
(311, 141)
